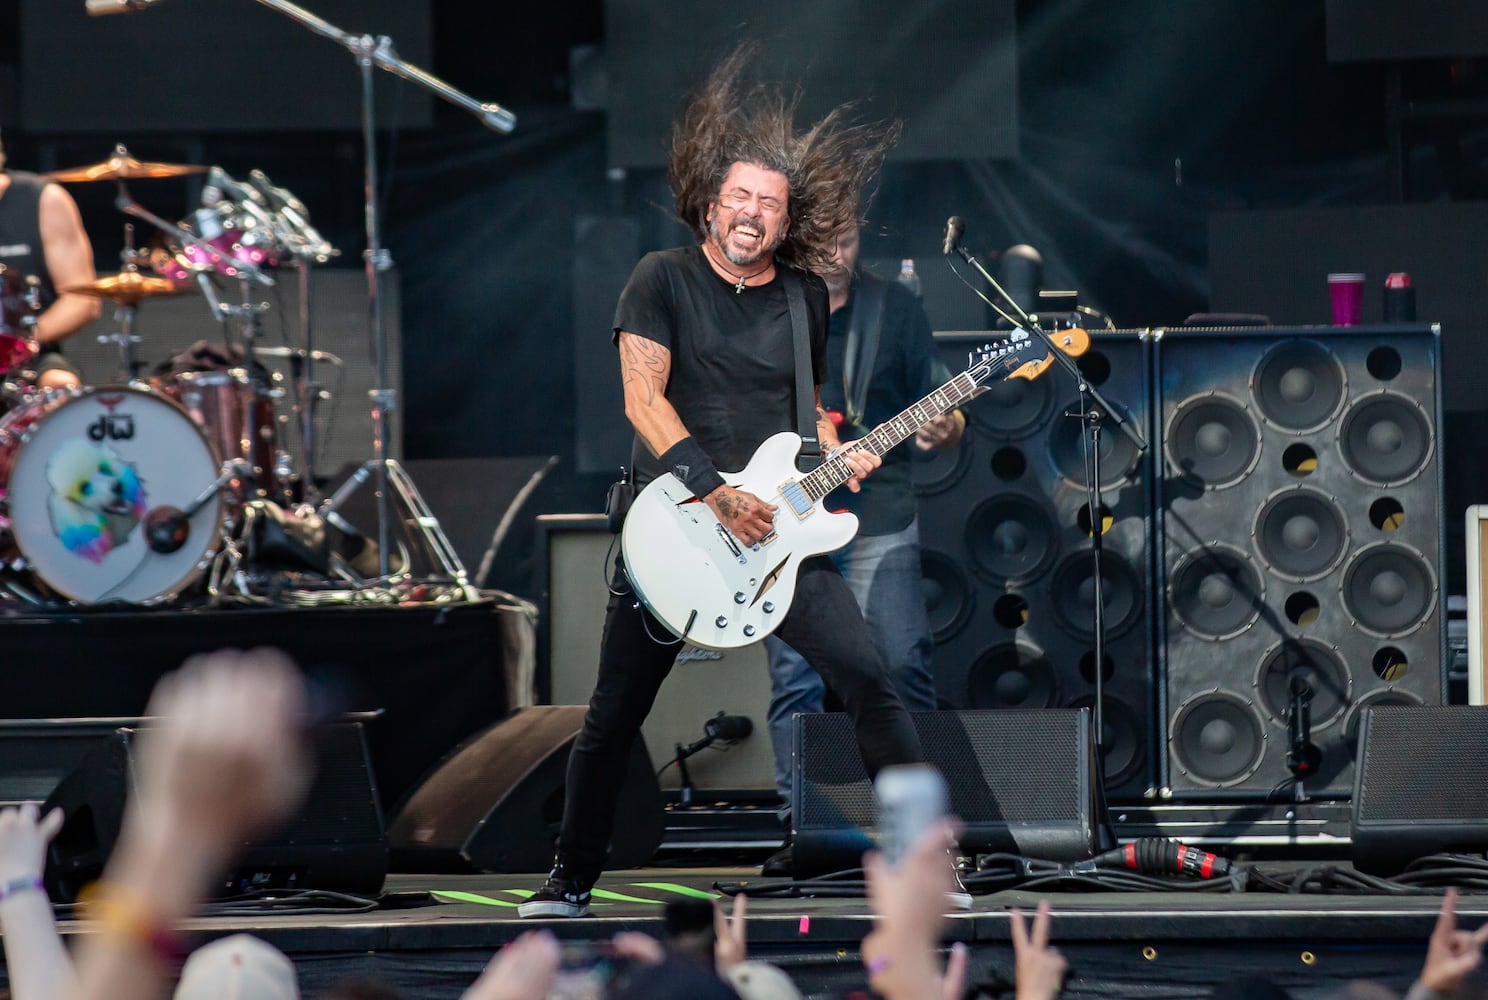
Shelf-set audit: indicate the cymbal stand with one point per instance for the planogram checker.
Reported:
(1095, 411)
(378, 53)
(307, 391)
(124, 338)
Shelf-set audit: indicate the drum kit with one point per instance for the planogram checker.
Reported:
(140, 491)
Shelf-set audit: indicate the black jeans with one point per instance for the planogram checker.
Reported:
(824, 624)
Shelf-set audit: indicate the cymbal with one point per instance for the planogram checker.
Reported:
(123, 167)
(129, 288)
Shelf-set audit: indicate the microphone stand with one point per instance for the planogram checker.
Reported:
(1097, 411)
(378, 53)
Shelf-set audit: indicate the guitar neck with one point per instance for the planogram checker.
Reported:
(834, 472)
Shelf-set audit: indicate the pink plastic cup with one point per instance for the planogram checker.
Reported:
(1347, 292)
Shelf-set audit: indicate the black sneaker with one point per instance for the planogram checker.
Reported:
(781, 864)
(561, 895)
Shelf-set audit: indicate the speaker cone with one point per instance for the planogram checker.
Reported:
(1212, 440)
(1386, 438)
(1216, 592)
(1299, 385)
(1067, 447)
(1301, 533)
(1012, 408)
(1010, 538)
(936, 470)
(949, 595)
(1312, 663)
(1011, 675)
(1218, 738)
(1122, 742)
(1072, 593)
(1388, 588)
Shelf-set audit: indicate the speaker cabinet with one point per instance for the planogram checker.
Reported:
(496, 803)
(1006, 537)
(1301, 543)
(335, 842)
(1420, 788)
(704, 682)
(1019, 781)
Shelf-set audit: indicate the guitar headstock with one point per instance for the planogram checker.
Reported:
(1022, 355)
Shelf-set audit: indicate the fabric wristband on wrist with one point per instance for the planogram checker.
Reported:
(126, 913)
(21, 884)
(689, 463)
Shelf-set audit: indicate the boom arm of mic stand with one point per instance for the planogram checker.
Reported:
(381, 53)
(1067, 362)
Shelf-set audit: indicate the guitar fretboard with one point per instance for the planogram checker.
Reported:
(835, 471)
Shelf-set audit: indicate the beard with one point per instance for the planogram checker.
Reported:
(741, 258)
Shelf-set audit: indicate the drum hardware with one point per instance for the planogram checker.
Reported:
(20, 304)
(126, 290)
(373, 53)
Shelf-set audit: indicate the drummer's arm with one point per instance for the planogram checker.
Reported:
(69, 261)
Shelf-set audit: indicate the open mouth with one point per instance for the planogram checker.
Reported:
(118, 507)
(748, 234)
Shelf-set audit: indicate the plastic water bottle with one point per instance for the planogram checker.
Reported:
(909, 279)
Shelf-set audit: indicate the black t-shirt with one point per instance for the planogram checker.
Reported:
(733, 378)
(20, 232)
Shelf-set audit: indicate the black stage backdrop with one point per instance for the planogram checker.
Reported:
(1136, 122)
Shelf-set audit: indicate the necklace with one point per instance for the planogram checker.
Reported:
(739, 287)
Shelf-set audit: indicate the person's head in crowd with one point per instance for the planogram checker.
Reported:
(757, 980)
(241, 967)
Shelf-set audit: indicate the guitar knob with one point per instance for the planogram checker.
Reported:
(769, 607)
(739, 597)
(748, 630)
(721, 622)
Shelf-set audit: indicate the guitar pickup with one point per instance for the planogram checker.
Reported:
(794, 495)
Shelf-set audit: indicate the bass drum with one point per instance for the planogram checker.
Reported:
(80, 472)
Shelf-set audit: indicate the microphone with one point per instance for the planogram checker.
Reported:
(955, 229)
(97, 8)
(720, 728)
(1303, 755)
(728, 728)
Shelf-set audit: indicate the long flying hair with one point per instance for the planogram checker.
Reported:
(829, 166)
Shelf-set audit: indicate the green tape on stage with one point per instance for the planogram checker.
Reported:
(472, 897)
(680, 890)
(620, 897)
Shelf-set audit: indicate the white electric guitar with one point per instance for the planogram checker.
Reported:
(713, 591)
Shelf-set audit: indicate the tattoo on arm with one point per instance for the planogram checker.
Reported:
(644, 366)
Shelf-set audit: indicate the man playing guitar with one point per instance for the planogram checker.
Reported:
(707, 357)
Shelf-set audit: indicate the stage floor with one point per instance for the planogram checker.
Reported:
(1147, 944)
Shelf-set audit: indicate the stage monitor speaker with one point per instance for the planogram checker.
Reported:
(496, 802)
(1420, 787)
(334, 843)
(1005, 533)
(1021, 782)
(1301, 545)
(703, 682)
(36, 754)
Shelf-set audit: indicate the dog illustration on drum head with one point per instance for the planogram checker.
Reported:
(96, 498)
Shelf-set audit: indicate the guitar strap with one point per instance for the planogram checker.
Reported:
(863, 334)
(795, 296)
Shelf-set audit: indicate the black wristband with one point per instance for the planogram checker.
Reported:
(688, 462)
